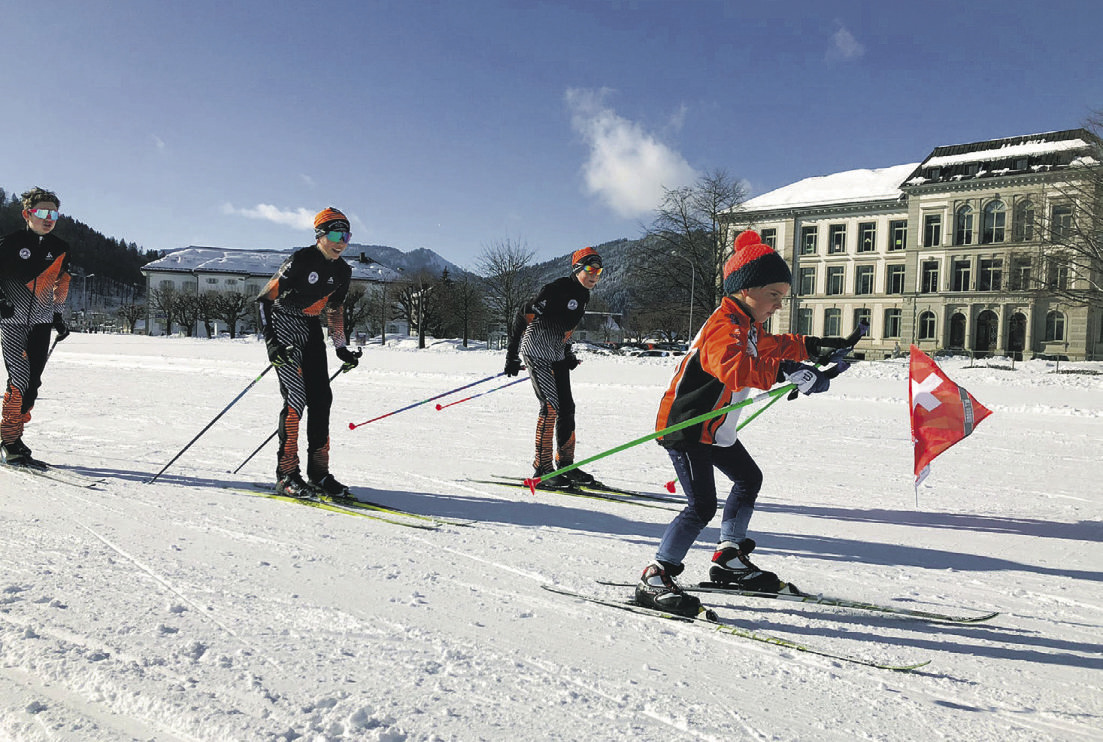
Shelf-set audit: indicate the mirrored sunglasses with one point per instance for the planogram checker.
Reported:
(44, 213)
(338, 236)
(593, 269)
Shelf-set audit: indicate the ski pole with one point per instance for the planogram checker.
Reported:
(533, 481)
(488, 391)
(274, 434)
(354, 426)
(212, 422)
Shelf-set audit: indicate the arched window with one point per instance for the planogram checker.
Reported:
(926, 326)
(963, 225)
(1022, 228)
(1055, 327)
(995, 218)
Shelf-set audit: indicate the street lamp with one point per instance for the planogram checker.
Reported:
(692, 287)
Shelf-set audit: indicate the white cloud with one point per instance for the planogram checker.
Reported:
(844, 46)
(158, 142)
(627, 167)
(299, 218)
(310, 182)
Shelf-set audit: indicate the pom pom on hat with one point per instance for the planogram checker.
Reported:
(753, 264)
(585, 256)
(328, 219)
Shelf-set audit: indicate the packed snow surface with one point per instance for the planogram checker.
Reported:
(187, 609)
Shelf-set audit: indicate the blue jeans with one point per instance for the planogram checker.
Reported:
(695, 473)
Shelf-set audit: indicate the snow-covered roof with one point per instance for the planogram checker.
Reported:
(260, 263)
(1030, 148)
(850, 186)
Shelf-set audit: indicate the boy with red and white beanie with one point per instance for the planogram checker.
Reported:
(732, 354)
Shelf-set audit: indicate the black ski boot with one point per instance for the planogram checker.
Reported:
(328, 488)
(554, 483)
(730, 566)
(657, 589)
(17, 453)
(579, 478)
(291, 484)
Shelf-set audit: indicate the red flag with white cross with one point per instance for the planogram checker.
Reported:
(942, 413)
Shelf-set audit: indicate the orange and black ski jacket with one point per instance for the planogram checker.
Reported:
(306, 286)
(730, 355)
(34, 276)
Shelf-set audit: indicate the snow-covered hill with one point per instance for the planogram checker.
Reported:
(187, 610)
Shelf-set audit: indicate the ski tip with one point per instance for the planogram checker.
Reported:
(531, 483)
(670, 487)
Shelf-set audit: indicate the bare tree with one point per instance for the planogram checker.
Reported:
(508, 278)
(166, 301)
(686, 246)
(130, 314)
(358, 309)
(229, 308)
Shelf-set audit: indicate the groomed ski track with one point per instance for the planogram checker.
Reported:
(184, 611)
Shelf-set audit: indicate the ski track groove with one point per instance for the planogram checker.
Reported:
(169, 587)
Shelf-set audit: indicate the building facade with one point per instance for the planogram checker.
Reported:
(951, 253)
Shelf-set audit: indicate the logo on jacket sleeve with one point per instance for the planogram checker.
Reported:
(25, 253)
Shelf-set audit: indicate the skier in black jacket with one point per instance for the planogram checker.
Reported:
(34, 283)
(541, 334)
(312, 283)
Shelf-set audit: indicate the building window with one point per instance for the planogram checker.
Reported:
(807, 281)
(1057, 274)
(804, 321)
(867, 237)
(1022, 229)
(1061, 223)
(1055, 327)
(892, 323)
(1020, 274)
(963, 225)
(835, 277)
(898, 234)
(962, 275)
(929, 277)
(808, 240)
(836, 242)
(894, 279)
(165, 285)
(995, 217)
(932, 230)
(927, 326)
(833, 322)
(991, 273)
(863, 279)
(212, 281)
(769, 237)
(861, 316)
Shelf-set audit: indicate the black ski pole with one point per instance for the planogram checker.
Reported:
(208, 426)
(274, 434)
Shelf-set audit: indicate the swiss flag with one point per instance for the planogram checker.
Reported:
(942, 413)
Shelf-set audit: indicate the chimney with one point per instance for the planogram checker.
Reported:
(364, 258)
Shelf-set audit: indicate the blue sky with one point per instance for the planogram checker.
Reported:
(456, 125)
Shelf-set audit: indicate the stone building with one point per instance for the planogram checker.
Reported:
(951, 253)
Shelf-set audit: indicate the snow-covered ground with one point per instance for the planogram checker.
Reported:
(184, 610)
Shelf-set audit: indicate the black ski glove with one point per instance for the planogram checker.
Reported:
(807, 378)
(821, 348)
(349, 358)
(7, 309)
(279, 354)
(572, 361)
(513, 366)
(61, 327)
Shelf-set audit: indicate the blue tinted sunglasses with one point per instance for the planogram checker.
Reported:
(338, 236)
(51, 214)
